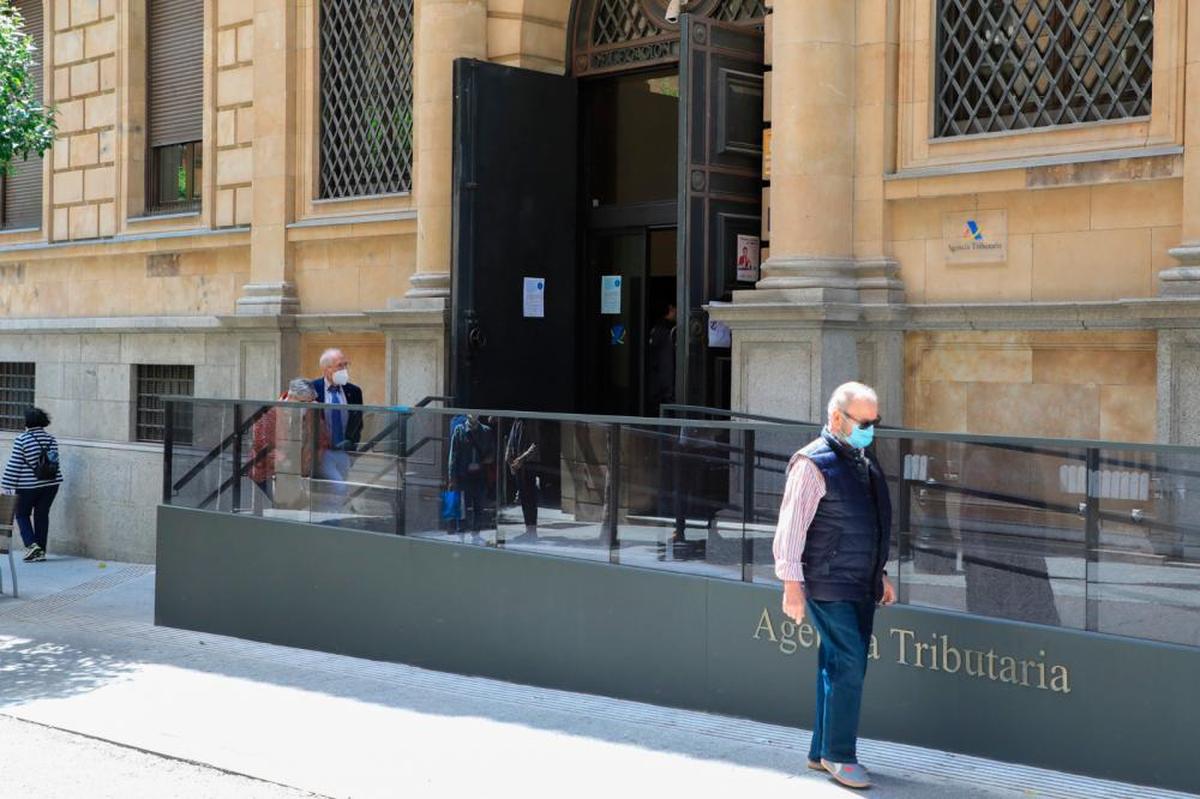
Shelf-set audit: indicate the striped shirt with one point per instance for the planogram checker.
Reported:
(801, 495)
(27, 449)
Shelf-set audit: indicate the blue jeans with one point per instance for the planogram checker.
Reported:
(331, 494)
(845, 630)
(33, 513)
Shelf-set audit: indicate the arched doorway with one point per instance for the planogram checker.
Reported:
(584, 204)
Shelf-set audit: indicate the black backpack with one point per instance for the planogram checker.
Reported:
(46, 467)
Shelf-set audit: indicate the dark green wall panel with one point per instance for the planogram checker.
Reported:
(680, 640)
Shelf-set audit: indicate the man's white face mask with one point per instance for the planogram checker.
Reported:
(341, 377)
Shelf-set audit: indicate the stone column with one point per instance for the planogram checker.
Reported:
(416, 325)
(271, 290)
(1179, 339)
(1184, 280)
(803, 330)
(812, 153)
(446, 30)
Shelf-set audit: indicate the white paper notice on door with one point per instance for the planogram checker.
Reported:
(747, 258)
(610, 294)
(719, 335)
(535, 297)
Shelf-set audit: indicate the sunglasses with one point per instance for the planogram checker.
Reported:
(865, 424)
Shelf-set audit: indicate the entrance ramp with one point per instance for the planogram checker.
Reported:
(631, 557)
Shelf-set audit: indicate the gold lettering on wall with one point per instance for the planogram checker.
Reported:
(939, 653)
(790, 637)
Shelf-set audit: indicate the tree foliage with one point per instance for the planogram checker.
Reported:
(26, 126)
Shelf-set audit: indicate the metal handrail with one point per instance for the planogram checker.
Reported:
(1003, 443)
(247, 424)
(598, 419)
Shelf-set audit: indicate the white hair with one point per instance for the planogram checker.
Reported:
(329, 356)
(847, 393)
(300, 390)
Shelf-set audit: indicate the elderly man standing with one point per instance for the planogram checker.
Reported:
(345, 427)
(831, 547)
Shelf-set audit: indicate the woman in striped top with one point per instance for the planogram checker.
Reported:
(33, 473)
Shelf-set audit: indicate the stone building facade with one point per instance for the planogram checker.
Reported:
(1085, 323)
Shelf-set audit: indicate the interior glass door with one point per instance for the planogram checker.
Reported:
(614, 314)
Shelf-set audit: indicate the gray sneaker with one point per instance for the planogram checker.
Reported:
(852, 775)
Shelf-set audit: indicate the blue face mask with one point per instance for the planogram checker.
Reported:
(860, 438)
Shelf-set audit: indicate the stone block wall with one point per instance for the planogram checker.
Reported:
(368, 361)
(1093, 385)
(345, 275)
(83, 187)
(1106, 241)
(86, 382)
(100, 280)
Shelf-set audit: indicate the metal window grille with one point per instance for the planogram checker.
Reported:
(740, 10)
(155, 381)
(621, 21)
(1018, 64)
(366, 60)
(17, 384)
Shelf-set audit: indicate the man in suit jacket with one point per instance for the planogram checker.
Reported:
(345, 427)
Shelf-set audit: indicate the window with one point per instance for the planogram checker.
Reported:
(1007, 65)
(366, 63)
(21, 198)
(175, 100)
(16, 394)
(155, 382)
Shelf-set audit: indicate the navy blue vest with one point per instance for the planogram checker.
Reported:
(847, 545)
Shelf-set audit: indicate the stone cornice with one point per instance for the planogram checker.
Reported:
(166, 241)
(1134, 314)
(112, 324)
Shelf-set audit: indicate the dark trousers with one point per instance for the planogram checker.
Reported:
(474, 492)
(35, 503)
(845, 630)
(527, 488)
(267, 487)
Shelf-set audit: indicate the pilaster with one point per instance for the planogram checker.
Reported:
(445, 30)
(271, 289)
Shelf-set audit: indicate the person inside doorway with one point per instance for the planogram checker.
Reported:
(662, 360)
(521, 456)
(469, 444)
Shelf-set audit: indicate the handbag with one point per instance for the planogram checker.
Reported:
(452, 506)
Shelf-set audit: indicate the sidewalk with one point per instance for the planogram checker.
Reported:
(79, 654)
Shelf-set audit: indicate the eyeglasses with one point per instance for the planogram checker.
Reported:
(865, 424)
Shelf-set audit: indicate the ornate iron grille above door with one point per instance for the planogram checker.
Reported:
(1017, 64)
(366, 59)
(739, 10)
(616, 35)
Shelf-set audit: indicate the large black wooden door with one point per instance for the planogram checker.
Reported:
(720, 187)
(515, 174)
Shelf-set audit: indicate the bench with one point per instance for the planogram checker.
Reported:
(8, 505)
